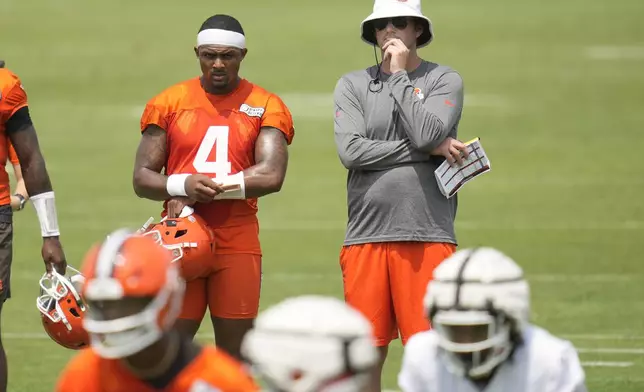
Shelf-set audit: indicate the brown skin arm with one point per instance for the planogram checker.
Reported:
(34, 173)
(271, 157)
(32, 163)
(151, 155)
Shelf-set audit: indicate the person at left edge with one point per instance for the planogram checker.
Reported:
(222, 142)
(16, 127)
(19, 197)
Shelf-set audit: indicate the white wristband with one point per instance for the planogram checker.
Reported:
(176, 185)
(45, 205)
(238, 184)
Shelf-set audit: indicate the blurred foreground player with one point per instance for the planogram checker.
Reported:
(134, 293)
(312, 344)
(16, 127)
(217, 142)
(479, 307)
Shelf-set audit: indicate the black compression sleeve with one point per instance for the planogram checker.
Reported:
(20, 120)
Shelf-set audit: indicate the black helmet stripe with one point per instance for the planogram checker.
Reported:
(460, 280)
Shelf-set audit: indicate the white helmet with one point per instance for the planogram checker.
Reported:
(480, 292)
(312, 344)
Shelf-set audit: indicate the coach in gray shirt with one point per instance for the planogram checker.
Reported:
(395, 123)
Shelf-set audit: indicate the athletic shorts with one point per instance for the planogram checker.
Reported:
(231, 290)
(6, 251)
(387, 283)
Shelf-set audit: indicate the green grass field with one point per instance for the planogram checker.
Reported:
(554, 89)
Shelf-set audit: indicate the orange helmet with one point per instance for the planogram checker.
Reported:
(189, 237)
(134, 293)
(62, 308)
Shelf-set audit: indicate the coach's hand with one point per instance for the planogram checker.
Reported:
(202, 188)
(397, 53)
(53, 255)
(453, 150)
(176, 204)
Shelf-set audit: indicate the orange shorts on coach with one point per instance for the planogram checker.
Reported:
(387, 283)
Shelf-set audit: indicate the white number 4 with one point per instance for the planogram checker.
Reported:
(220, 167)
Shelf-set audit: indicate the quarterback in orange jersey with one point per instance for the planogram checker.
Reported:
(17, 128)
(134, 293)
(217, 142)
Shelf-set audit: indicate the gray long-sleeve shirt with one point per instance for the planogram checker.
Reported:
(384, 138)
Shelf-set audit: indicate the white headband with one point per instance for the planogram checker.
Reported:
(221, 37)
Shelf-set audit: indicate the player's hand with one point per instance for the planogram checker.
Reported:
(176, 204)
(202, 188)
(397, 53)
(53, 255)
(453, 150)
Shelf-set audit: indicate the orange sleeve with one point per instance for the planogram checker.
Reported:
(158, 111)
(13, 157)
(278, 116)
(78, 375)
(225, 373)
(13, 101)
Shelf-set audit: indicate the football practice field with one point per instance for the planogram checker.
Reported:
(554, 89)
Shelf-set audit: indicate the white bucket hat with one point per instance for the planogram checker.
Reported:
(393, 8)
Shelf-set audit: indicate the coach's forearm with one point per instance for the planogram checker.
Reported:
(359, 153)
(149, 184)
(427, 121)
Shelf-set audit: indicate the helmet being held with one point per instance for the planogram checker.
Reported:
(62, 308)
(188, 237)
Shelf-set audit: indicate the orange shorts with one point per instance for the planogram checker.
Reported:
(387, 283)
(230, 291)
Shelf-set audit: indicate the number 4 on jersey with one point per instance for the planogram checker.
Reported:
(220, 167)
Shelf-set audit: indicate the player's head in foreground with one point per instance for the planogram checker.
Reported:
(478, 304)
(221, 47)
(134, 295)
(397, 19)
(312, 344)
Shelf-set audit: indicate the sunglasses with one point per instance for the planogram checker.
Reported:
(399, 22)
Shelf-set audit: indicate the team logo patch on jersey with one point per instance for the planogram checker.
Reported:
(251, 111)
(418, 93)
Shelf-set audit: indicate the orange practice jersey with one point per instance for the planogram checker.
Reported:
(215, 135)
(12, 98)
(212, 371)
